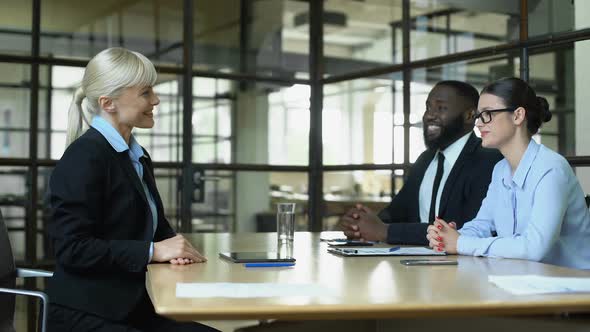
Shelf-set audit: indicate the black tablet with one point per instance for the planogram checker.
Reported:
(253, 257)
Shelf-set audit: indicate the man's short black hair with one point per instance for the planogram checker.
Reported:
(464, 90)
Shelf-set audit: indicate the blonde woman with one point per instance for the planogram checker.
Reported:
(534, 203)
(107, 220)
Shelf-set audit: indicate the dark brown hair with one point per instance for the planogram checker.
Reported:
(517, 93)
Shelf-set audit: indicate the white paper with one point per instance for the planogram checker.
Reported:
(535, 284)
(249, 290)
(332, 235)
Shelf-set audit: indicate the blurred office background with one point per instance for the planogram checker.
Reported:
(263, 101)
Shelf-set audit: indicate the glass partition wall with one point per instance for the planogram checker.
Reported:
(265, 101)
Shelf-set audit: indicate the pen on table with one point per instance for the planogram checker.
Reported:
(268, 264)
(394, 249)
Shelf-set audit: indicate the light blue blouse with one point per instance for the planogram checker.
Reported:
(539, 213)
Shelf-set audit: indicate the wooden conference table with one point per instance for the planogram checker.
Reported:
(367, 287)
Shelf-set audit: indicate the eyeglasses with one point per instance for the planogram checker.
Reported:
(486, 116)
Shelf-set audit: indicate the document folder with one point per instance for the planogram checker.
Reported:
(395, 251)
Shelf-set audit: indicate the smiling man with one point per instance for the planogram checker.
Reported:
(449, 180)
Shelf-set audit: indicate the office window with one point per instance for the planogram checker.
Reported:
(583, 175)
(561, 76)
(14, 110)
(360, 35)
(358, 120)
(554, 16)
(153, 28)
(57, 85)
(288, 125)
(45, 250)
(212, 120)
(440, 27)
(15, 27)
(254, 123)
(251, 96)
(13, 203)
(246, 201)
(274, 45)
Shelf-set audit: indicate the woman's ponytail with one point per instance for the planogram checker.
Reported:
(75, 116)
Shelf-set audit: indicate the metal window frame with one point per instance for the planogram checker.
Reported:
(315, 168)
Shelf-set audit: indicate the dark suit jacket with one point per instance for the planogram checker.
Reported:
(461, 198)
(99, 228)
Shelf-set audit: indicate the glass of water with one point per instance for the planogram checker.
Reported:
(285, 229)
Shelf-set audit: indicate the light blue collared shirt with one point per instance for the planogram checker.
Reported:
(539, 213)
(135, 152)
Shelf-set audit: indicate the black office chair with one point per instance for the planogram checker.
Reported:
(8, 290)
(588, 201)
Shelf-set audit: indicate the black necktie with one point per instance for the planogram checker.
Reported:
(437, 178)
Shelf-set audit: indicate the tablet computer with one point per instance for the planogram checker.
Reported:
(254, 257)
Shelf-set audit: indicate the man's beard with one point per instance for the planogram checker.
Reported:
(447, 135)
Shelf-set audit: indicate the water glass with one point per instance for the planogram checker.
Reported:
(285, 228)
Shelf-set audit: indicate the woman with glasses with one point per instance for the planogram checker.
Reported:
(534, 203)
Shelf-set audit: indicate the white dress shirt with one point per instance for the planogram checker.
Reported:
(451, 154)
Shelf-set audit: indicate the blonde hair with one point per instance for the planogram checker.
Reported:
(107, 74)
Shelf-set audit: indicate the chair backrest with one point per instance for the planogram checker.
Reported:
(7, 267)
(7, 278)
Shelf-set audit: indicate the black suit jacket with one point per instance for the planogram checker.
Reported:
(99, 228)
(461, 198)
